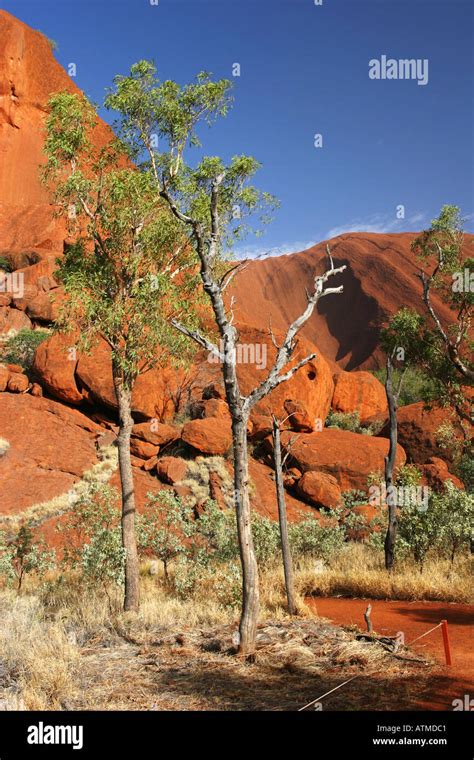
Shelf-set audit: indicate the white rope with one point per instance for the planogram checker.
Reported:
(424, 634)
(328, 692)
(318, 699)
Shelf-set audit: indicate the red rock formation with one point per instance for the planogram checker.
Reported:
(55, 364)
(418, 427)
(171, 469)
(320, 489)
(52, 445)
(435, 474)
(50, 449)
(210, 435)
(359, 392)
(29, 74)
(349, 457)
(381, 277)
(157, 433)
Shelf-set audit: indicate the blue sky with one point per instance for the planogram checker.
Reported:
(304, 71)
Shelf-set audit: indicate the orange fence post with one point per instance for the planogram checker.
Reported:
(447, 649)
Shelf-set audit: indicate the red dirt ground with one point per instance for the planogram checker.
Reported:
(414, 618)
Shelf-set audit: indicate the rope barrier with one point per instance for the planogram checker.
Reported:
(328, 692)
(443, 625)
(424, 634)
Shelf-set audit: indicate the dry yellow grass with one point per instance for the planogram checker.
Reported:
(37, 658)
(65, 645)
(74, 649)
(358, 571)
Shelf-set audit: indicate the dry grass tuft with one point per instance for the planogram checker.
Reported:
(37, 661)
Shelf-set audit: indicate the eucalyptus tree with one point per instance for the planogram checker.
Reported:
(443, 352)
(128, 273)
(215, 203)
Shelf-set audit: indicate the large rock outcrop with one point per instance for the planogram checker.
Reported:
(420, 432)
(29, 74)
(48, 449)
(90, 377)
(359, 392)
(349, 457)
(381, 277)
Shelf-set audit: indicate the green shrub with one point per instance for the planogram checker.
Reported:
(350, 421)
(308, 538)
(416, 386)
(93, 543)
(266, 539)
(164, 527)
(353, 498)
(456, 509)
(408, 475)
(5, 264)
(218, 533)
(465, 471)
(344, 420)
(446, 526)
(20, 349)
(23, 554)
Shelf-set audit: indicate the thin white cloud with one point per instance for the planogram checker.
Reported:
(258, 252)
(378, 223)
(375, 223)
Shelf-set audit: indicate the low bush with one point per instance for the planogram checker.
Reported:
(23, 554)
(350, 421)
(416, 385)
(20, 349)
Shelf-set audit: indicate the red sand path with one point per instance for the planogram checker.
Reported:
(414, 618)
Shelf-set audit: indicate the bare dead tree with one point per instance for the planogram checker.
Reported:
(392, 401)
(239, 405)
(282, 518)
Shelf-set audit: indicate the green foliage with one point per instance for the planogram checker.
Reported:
(20, 348)
(465, 470)
(446, 526)
(93, 544)
(5, 264)
(148, 107)
(408, 475)
(23, 554)
(266, 539)
(218, 533)
(416, 386)
(163, 528)
(353, 498)
(344, 420)
(457, 509)
(460, 453)
(309, 538)
(426, 348)
(349, 421)
(133, 271)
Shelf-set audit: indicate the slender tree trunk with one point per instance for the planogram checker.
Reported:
(391, 535)
(285, 545)
(129, 540)
(250, 584)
